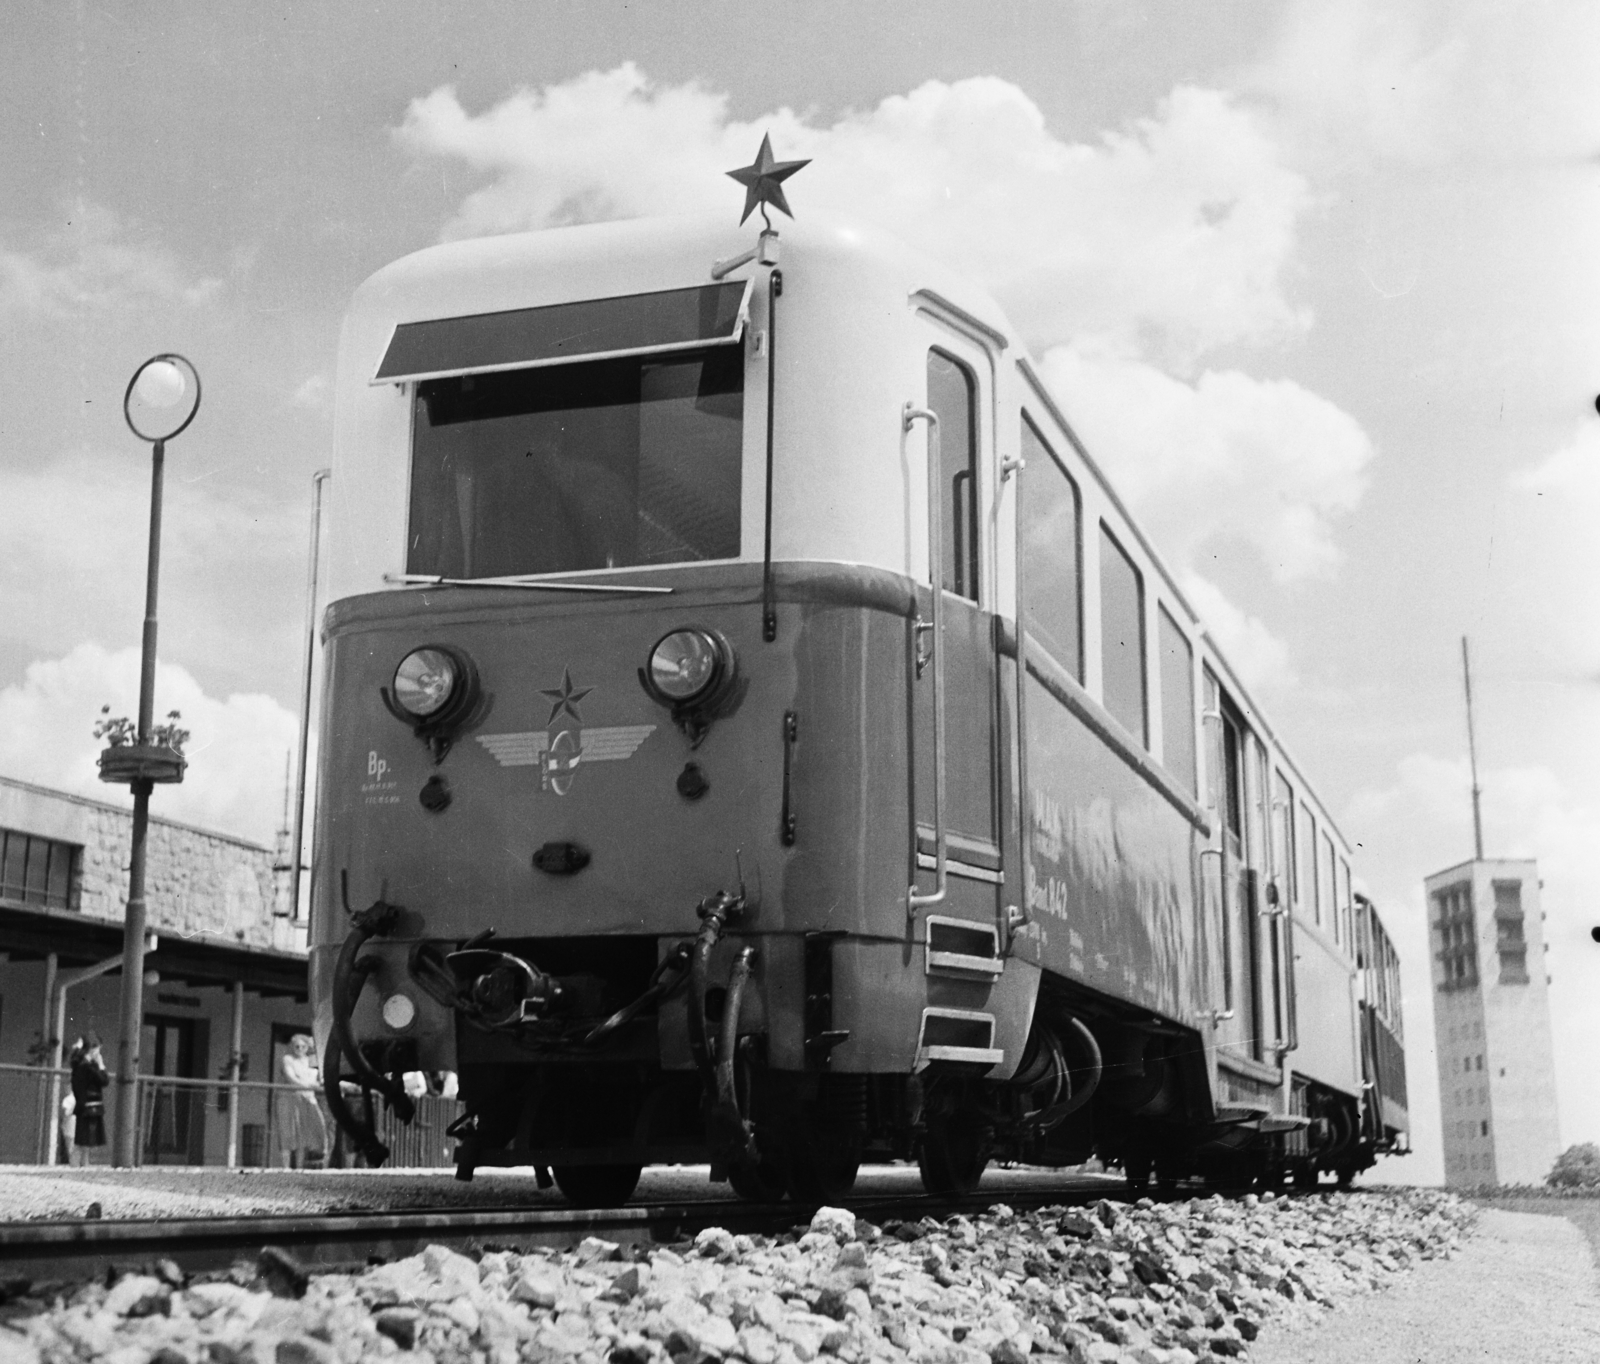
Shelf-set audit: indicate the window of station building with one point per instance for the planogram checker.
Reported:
(1052, 553)
(1122, 673)
(39, 871)
(1455, 938)
(1177, 701)
(1510, 944)
(952, 395)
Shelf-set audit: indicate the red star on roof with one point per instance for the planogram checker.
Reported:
(763, 180)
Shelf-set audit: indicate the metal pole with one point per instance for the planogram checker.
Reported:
(1472, 756)
(125, 1140)
(233, 1074)
(297, 832)
(52, 1042)
(60, 1012)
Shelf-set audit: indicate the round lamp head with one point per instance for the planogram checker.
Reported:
(162, 397)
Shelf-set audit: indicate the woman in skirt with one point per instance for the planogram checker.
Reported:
(88, 1098)
(304, 1139)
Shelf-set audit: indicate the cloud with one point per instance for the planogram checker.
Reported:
(1173, 234)
(235, 781)
(1435, 82)
(95, 264)
(1259, 657)
(72, 559)
(1264, 463)
(1571, 471)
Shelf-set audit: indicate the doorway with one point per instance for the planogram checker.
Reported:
(174, 1114)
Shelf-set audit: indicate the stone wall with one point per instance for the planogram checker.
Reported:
(196, 882)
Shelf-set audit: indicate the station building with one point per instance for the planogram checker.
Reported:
(231, 963)
(1491, 1018)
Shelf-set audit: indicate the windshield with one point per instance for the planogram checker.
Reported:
(567, 467)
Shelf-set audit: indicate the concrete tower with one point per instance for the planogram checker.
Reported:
(1491, 1021)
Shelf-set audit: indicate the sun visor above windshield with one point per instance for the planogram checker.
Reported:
(520, 338)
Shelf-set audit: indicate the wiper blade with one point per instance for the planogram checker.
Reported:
(517, 580)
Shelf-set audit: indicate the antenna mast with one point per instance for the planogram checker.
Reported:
(1472, 756)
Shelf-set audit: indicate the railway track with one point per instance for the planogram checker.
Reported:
(80, 1248)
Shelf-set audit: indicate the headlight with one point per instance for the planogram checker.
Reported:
(687, 665)
(425, 681)
(398, 1012)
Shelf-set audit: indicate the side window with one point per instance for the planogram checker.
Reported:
(952, 395)
(1052, 553)
(1177, 702)
(1310, 883)
(1342, 899)
(1286, 860)
(1327, 889)
(1122, 638)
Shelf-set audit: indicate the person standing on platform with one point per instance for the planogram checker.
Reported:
(304, 1139)
(89, 1080)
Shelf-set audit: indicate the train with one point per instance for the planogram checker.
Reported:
(754, 733)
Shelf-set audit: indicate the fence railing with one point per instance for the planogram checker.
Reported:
(187, 1121)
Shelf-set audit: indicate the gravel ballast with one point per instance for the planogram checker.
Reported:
(1147, 1283)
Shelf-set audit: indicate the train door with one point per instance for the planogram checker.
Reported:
(960, 394)
(1241, 938)
(1264, 854)
(1285, 888)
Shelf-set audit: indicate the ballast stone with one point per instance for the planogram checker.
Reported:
(1183, 1283)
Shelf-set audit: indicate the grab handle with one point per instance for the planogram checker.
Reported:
(912, 414)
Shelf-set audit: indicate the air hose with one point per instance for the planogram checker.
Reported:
(730, 1130)
(715, 911)
(349, 976)
(1077, 1096)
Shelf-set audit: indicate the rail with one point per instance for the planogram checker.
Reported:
(187, 1120)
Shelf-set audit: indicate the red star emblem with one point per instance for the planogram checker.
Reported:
(763, 180)
(565, 697)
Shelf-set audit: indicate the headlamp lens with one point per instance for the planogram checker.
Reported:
(425, 681)
(684, 665)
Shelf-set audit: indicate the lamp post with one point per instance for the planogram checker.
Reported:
(162, 398)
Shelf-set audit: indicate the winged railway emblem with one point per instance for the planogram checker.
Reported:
(558, 753)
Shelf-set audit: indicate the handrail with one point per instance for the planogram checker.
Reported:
(912, 414)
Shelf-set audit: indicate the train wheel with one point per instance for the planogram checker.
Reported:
(816, 1173)
(762, 1182)
(1305, 1176)
(597, 1186)
(1136, 1168)
(954, 1155)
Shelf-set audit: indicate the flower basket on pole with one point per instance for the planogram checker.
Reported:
(125, 764)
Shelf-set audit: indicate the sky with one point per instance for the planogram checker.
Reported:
(1317, 284)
